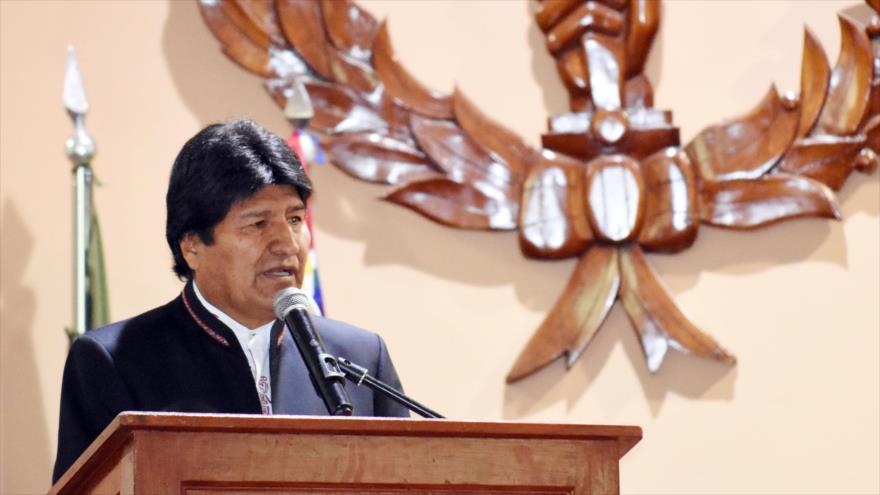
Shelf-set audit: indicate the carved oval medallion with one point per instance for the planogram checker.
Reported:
(614, 196)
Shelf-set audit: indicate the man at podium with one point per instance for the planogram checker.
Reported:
(236, 207)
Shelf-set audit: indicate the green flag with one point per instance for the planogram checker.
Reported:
(97, 304)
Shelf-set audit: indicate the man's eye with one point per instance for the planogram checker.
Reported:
(295, 220)
(259, 224)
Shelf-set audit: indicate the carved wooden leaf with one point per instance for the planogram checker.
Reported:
(671, 219)
(352, 72)
(350, 28)
(748, 146)
(261, 14)
(461, 158)
(403, 86)
(850, 82)
(398, 118)
(236, 12)
(492, 136)
(339, 109)
(815, 73)
(553, 221)
(658, 321)
(235, 43)
(751, 203)
(827, 159)
(377, 158)
(303, 27)
(455, 204)
(577, 315)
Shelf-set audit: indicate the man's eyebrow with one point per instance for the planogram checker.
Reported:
(256, 213)
(268, 213)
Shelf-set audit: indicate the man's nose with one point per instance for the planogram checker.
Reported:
(283, 240)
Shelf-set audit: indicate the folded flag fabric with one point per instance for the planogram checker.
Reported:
(98, 307)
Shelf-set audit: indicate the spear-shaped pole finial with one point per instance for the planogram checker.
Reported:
(80, 146)
(298, 110)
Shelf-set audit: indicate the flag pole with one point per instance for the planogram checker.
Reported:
(80, 149)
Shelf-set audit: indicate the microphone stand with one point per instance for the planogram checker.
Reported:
(359, 376)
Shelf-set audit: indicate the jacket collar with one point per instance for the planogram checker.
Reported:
(204, 319)
(212, 326)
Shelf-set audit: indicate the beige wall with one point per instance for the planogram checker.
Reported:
(797, 303)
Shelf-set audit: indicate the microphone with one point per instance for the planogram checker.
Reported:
(292, 306)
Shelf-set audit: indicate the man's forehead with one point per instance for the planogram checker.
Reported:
(270, 198)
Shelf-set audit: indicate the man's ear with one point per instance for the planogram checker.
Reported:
(190, 246)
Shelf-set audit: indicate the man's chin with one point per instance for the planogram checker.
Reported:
(271, 288)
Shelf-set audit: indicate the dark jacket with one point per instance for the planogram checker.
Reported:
(179, 357)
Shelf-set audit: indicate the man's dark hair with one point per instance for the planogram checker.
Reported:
(219, 166)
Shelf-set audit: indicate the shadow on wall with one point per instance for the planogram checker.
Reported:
(23, 424)
(211, 85)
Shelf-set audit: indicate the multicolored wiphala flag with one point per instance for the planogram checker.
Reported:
(311, 283)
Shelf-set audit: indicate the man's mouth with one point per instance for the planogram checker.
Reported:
(279, 273)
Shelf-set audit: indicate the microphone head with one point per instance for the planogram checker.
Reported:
(290, 298)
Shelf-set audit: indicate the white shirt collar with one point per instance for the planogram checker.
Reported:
(254, 341)
(225, 318)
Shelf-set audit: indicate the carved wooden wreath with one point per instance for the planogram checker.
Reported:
(611, 180)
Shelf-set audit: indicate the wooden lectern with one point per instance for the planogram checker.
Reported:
(198, 454)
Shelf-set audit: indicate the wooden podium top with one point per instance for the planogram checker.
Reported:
(124, 427)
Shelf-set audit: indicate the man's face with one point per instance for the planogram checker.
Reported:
(260, 247)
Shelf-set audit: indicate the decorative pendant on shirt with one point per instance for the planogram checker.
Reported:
(263, 392)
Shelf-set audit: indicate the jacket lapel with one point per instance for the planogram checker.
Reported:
(228, 356)
(292, 389)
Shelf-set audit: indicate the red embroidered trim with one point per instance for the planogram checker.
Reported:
(280, 336)
(206, 328)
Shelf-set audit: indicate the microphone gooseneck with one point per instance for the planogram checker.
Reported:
(292, 306)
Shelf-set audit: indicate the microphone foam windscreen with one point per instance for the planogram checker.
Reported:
(290, 298)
